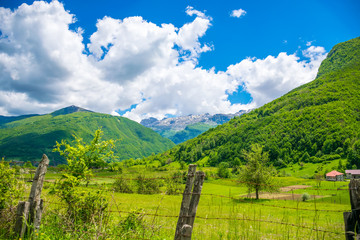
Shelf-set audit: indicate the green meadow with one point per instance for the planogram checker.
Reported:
(225, 210)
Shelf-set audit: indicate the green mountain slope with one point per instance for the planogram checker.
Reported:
(27, 139)
(189, 132)
(317, 122)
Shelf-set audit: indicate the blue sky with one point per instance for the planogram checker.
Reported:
(207, 60)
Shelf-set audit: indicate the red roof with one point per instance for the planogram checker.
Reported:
(334, 173)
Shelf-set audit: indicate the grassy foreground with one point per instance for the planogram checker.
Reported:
(224, 211)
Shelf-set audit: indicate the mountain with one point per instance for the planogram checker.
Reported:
(316, 122)
(28, 137)
(181, 129)
(69, 110)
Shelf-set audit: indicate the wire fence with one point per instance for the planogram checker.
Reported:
(235, 199)
(233, 218)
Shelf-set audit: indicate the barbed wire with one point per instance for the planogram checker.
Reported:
(217, 218)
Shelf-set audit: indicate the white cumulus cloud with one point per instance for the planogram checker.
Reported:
(272, 77)
(129, 63)
(238, 13)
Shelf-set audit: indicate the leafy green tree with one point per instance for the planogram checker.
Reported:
(81, 157)
(223, 170)
(354, 155)
(257, 175)
(82, 207)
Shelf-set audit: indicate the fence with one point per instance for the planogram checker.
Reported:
(191, 198)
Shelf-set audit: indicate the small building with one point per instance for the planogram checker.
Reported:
(334, 176)
(352, 173)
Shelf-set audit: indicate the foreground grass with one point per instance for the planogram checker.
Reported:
(224, 212)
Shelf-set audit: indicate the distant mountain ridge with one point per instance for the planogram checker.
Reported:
(69, 110)
(317, 122)
(180, 129)
(27, 137)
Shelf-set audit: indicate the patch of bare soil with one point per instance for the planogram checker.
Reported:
(293, 187)
(283, 195)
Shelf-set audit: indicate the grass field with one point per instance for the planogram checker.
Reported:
(224, 211)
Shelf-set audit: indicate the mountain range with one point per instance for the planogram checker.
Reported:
(182, 128)
(316, 122)
(26, 138)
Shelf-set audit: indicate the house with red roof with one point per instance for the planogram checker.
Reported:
(355, 173)
(335, 176)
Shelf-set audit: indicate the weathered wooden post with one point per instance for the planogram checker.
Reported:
(189, 204)
(29, 213)
(351, 219)
(195, 198)
(185, 204)
(22, 213)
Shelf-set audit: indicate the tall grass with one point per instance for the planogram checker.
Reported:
(219, 215)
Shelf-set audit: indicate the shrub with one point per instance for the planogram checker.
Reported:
(10, 187)
(174, 185)
(123, 186)
(223, 170)
(147, 186)
(305, 197)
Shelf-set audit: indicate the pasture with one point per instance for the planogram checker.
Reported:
(225, 211)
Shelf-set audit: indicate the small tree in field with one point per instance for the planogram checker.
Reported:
(256, 174)
(81, 157)
(83, 207)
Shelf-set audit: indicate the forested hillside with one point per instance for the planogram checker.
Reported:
(316, 122)
(28, 138)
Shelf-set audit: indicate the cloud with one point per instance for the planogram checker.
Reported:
(272, 77)
(238, 13)
(129, 63)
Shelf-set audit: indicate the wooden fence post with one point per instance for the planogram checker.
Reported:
(189, 204)
(351, 219)
(195, 198)
(30, 212)
(185, 204)
(22, 213)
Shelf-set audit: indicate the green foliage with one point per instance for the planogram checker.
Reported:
(28, 138)
(122, 185)
(223, 170)
(147, 186)
(174, 185)
(10, 187)
(189, 132)
(256, 175)
(81, 157)
(28, 164)
(82, 208)
(133, 225)
(115, 167)
(354, 155)
(305, 197)
(316, 122)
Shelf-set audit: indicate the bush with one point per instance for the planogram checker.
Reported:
(10, 187)
(7, 222)
(174, 185)
(223, 170)
(147, 186)
(305, 197)
(123, 186)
